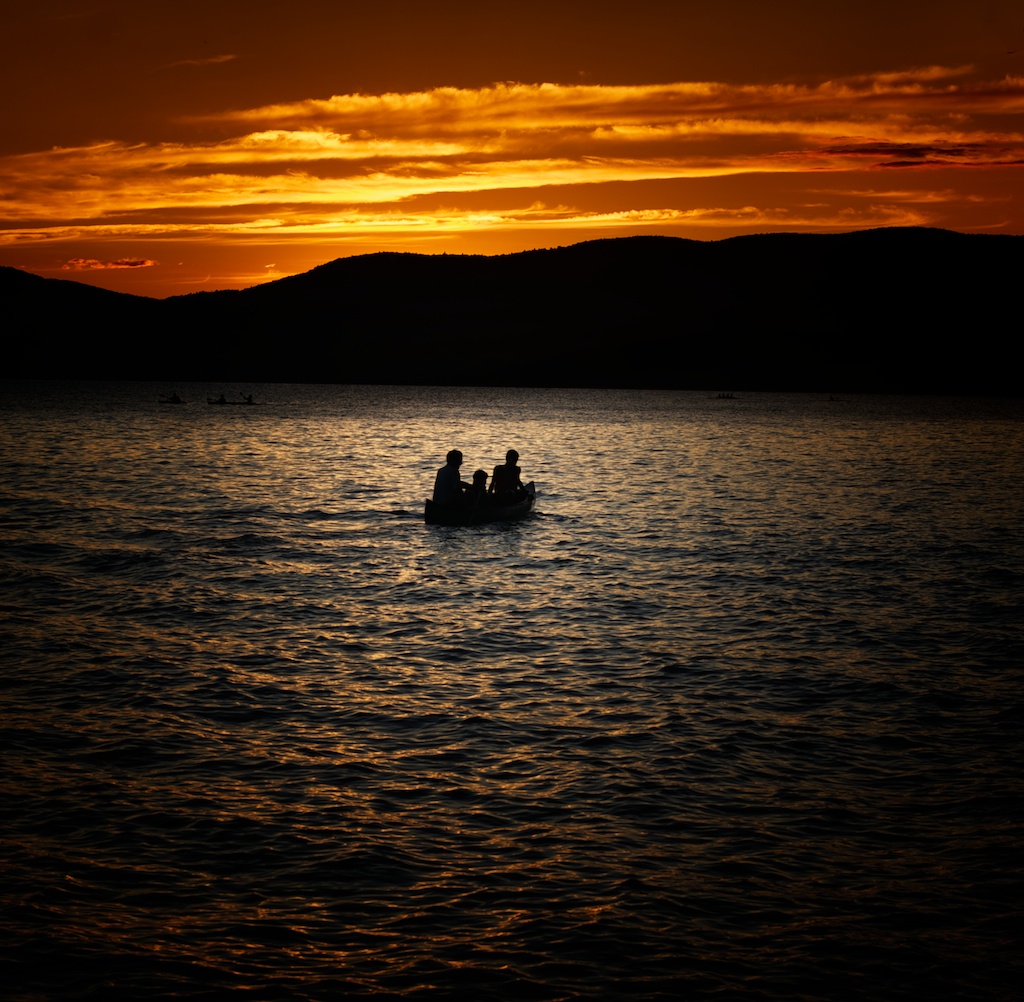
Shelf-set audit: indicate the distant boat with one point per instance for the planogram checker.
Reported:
(222, 401)
(171, 399)
(484, 511)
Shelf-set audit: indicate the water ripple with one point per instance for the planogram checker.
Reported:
(736, 712)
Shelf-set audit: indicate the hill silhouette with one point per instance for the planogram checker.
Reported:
(902, 310)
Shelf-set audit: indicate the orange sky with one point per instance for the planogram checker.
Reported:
(217, 144)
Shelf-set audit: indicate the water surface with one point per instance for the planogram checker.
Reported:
(735, 713)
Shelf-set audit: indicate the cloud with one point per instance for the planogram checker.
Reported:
(206, 61)
(351, 164)
(556, 106)
(92, 264)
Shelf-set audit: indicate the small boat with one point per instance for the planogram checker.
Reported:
(485, 510)
(172, 399)
(222, 401)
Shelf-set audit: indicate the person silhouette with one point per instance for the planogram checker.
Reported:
(448, 485)
(477, 491)
(506, 478)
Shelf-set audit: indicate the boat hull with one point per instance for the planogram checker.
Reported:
(455, 514)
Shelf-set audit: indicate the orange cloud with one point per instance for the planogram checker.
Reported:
(205, 61)
(352, 165)
(524, 107)
(91, 264)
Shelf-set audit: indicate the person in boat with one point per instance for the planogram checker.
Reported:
(448, 485)
(477, 491)
(506, 479)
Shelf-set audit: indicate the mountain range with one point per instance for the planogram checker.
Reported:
(886, 310)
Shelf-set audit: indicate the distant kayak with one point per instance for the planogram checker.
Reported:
(172, 399)
(224, 402)
(487, 510)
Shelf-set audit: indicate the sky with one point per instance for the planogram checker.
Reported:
(173, 148)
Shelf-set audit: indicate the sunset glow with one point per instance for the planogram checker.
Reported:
(504, 167)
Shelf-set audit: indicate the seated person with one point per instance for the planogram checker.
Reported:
(448, 485)
(476, 493)
(506, 478)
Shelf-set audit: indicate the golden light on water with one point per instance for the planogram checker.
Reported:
(280, 736)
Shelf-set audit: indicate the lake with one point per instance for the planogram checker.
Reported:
(736, 712)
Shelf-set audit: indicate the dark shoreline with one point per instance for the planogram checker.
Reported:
(881, 311)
